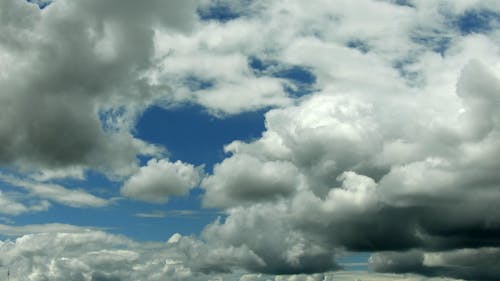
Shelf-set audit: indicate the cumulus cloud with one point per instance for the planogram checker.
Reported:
(245, 178)
(160, 179)
(66, 68)
(353, 195)
(392, 150)
(423, 176)
(48, 255)
(67, 252)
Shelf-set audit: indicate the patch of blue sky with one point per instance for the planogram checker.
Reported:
(192, 135)
(406, 3)
(41, 3)
(359, 45)
(296, 74)
(300, 80)
(218, 11)
(120, 217)
(477, 21)
(355, 261)
(469, 22)
(194, 83)
(404, 68)
(110, 118)
(433, 40)
(258, 65)
(6, 187)
(93, 182)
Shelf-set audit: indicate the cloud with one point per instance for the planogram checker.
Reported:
(467, 264)
(160, 179)
(233, 183)
(65, 65)
(11, 206)
(173, 213)
(183, 59)
(76, 255)
(392, 151)
(57, 193)
(66, 252)
(84, 115)
(16, 231)
(388, 145)
(363, 179)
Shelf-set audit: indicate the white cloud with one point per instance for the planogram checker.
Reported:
(365, 176)
(160, 179)
(10, 206)
(66, 252)
(13, 204)
(172, 213)
(10, 230)
(245, 178)
(57, 193)
(230, 88)
(398, 140)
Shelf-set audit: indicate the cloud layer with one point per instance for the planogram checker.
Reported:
(381, 135)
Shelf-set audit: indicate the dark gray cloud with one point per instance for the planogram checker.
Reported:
(467, 264)
(96, 276)
(66, 63)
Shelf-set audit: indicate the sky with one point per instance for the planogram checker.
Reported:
(249, 140)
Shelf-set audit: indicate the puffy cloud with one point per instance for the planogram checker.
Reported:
(67, 252)
(392, 151)
(67, 65)
(186, 65)
(245, 178)
(354, 191)
(43, 256)
(390, 145)
(303, 145)
(160, 179)
(270, 231)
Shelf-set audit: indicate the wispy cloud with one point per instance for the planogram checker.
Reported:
(56, 193)
(14, 230)
(177, 213)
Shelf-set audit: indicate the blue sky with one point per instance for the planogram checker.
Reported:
(249, 140)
